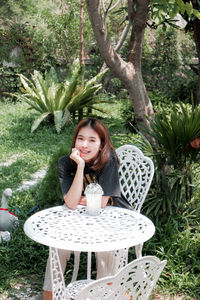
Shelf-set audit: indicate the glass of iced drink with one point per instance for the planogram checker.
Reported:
(93, 193)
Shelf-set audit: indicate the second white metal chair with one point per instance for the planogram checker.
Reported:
(134, 281)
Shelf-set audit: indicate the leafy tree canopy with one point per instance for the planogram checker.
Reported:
(44, 30)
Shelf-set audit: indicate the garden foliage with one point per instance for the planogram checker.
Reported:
(23, 261)
(168, 73)
(176, 151)
(47, 34)
(56, 100)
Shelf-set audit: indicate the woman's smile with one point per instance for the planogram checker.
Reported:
(83, 152)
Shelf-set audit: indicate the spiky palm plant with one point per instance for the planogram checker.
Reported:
(56, 100)
(175, 132)
(175, 151)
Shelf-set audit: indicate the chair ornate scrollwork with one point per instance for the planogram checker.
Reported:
(134, 281)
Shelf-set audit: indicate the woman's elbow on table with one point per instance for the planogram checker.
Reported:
(73, 207)
(70, 204)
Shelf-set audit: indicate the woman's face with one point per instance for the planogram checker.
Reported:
(88, 143)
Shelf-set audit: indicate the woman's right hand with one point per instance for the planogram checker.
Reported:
(73, 196)
(75, 156)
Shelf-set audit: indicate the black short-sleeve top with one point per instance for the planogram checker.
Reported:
(107, 177)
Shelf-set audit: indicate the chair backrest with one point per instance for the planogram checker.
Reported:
(135, 281)
(135, 173)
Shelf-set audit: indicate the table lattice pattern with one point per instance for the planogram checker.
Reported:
(75, 230)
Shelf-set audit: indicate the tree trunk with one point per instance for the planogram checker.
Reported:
(80, 111)
(196, 28)
(81, 33)
(128, 72)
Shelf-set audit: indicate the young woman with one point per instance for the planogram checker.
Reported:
(92, 159)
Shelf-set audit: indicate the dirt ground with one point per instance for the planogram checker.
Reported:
(29, 294)
(31, 290)
(26, 296)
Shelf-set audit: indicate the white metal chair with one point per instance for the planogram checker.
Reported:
(134, 281)
(135, 173)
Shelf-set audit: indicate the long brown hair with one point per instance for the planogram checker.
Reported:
(106, 143)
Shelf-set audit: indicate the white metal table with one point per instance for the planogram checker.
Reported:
(114, 228)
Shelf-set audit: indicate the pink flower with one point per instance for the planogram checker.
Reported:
(195, 143)
(181, 67)
(161, 77)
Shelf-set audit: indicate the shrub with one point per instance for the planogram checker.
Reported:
(49, 192)
(176, 148)
(127, 115)
(169, 71)
(9, 81)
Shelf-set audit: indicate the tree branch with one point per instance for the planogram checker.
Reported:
(108, 9)
(123, 37)
(108, 53)
(109, 6)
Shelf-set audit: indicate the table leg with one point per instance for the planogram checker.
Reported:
(76, 265)
(57, 279)
(138, 250)
(89, 258)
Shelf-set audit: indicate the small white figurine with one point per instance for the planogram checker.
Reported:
(8, 220)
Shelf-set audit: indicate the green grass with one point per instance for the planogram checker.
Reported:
(16, 137)
(176, 239)
(33, 149)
